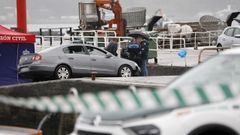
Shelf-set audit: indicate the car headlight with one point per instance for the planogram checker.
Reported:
(136, 64)
(144, 130)
(137, 67)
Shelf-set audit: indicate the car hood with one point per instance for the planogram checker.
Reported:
(144, 113)
(123, 115)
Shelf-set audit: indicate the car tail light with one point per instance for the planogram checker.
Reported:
(38, 133)
(37, 57)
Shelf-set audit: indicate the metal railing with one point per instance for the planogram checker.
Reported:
(214, 48)
(101, 39)
(193, 39)
(170, 41)
(80, 33)
(159, 40)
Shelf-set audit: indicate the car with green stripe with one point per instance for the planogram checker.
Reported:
(203, 101)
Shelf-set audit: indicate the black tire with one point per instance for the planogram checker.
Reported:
(155, 60)
(35, 80)
(38, 79)
(62, 72)
(218, 50)
(125, 71)
(213, 130)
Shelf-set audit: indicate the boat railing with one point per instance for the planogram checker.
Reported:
(169, 42)
(43, 42)
(192, 39)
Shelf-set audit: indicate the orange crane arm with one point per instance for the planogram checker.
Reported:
(116, 8)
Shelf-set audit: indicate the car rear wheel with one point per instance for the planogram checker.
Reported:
(125, 71)
(62, 72)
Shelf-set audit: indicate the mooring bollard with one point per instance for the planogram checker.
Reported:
(94, 76)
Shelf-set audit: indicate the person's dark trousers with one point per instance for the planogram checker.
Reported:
(144, 69)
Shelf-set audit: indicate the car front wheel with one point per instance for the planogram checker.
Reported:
(125, 71)
(62, 72)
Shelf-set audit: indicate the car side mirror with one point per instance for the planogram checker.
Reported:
(108, 55)
(237, 36)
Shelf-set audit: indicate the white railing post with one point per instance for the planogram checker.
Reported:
(184, 43)
(209, 38)
(171, 42)
(106, 39)
(163, 43)
(195, 41)
(181, 40)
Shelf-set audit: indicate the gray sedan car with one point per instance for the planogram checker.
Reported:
(67, 61)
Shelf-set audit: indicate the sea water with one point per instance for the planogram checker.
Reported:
(36, 27)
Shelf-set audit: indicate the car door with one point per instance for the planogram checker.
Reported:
(78, 59)
(236, 41)
(227, 37)
(100, 62)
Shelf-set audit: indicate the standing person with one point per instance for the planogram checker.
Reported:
(113, 46)
(144, 55)
(134, 51)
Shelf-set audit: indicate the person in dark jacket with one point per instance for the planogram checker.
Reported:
(113, 46)
(144, 55)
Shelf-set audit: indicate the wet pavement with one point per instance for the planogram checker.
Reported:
(156, 81)
(168, 57)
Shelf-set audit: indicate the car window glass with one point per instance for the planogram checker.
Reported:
(95, 51)
(229, 32)
(74, 50)
(237, 31)
(238, 17)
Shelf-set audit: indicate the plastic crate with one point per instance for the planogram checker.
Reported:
(135, 17)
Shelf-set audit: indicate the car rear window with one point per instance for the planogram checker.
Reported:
(74, 50)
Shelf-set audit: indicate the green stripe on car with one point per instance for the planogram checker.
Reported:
(203, 96)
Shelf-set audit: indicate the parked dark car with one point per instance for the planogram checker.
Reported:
(67, 61)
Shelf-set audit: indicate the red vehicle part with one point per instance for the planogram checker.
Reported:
(21, 16)
(116, 8)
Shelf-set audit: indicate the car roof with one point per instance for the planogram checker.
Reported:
(64, 45)
(79, 45)
(235, 26)
(231, 51)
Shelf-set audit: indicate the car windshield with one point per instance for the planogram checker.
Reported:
(223, 68)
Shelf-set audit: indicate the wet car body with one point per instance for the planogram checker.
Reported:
(230, 36)
(221, 118)
(12, 130)
(67, 61)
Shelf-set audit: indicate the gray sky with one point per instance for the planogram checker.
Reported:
(66, 11)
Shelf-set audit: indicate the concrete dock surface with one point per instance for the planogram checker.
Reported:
(167, 57)
(149, 81)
